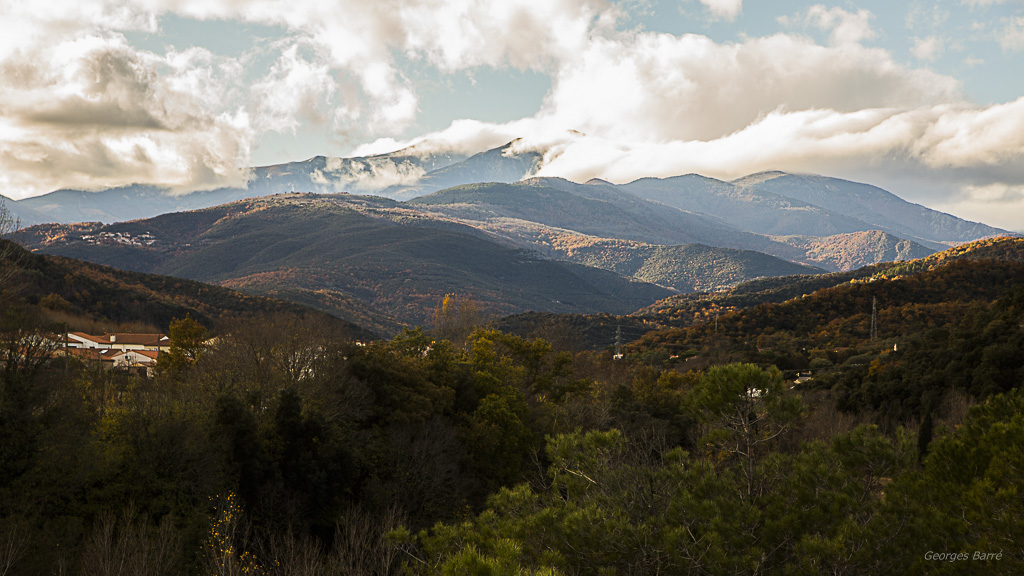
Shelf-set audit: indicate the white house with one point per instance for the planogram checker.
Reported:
(119, 341)
(119, 350)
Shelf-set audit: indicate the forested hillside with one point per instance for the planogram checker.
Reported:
(282, 447)
(67, 291)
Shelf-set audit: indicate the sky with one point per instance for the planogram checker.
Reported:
(925, 99)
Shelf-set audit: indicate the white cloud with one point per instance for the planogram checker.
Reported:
(998, 204)
(974, 138)
(927, 17)
(87, 109)
(374, 175)
(91, 111)
(1011, 37)
(660, 87)
(845, 27)
(928, 48)
(80, 106)
(724, 9)
(973, 144)
(461, 137)
(294, 90)
(948, 148)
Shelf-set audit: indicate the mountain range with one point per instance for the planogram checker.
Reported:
(355, 257)
(773, 204)
(378, 240)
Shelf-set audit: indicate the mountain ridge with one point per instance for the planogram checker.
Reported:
(330, 249)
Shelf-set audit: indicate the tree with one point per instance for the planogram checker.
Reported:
(743, 408)
(456, 317)
(924, 435)
(188, 344)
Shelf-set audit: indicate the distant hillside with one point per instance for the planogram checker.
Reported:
(20, 215)
(521, 211)
(327, 251)
(82, 293)
(843, 252)
(745, 208)
(693, 308)
(402, 174)
(780, 204)
(575, 332)
(878, 208)
(892, 346)
(596, 211)
(1004, 248)
(686, 268)
(840, 315)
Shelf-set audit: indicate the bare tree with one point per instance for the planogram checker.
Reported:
(14, 539)
(125, 547)
(361, 545)
(291, 555)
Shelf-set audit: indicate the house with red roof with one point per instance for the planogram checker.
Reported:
(119, 350)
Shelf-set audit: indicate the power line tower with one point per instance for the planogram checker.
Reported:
(618, 343)
(874, 317)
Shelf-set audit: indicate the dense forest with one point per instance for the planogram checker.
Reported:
(275, 444)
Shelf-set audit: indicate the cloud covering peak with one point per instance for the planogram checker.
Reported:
(106, 93)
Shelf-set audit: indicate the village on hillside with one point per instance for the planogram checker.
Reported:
(118, 350)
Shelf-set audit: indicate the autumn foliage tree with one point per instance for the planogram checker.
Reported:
(455, 317)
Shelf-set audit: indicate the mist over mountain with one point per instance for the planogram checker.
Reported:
(495, 165)
(360, 175)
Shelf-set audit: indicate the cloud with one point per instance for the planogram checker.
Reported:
(972, 144)
(661, 87)
(952, 157)
(91, 111)
(82, 107)
(1011, 37)
(845, 27)
(991, 137)
(362, 41)
(724, 9)
(928, 48)
(998, 204)
(463, 136)
(366, 177)
(295, 89)
(920, 16)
